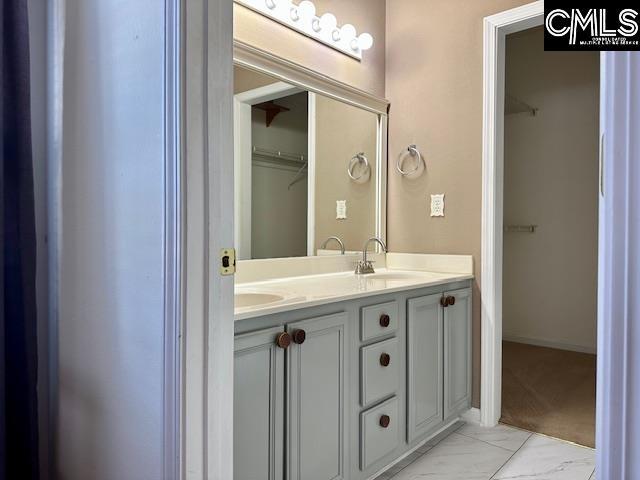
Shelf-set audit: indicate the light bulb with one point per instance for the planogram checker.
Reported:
(315, 24)
(328, 22)
(348, 32)
(365, 41)
(306, 10)
(271, 4)
(295, 15)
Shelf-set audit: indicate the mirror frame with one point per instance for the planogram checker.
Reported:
(261, 61)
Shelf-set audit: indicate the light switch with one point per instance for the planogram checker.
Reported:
(341, 209)
(437, 205)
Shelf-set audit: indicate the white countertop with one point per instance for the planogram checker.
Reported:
(312, 290)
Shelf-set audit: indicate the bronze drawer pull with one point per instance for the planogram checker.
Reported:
(283, 340)
(451, 300)
(384, 421)
(299, 336)
(385, 320)
(385, 359)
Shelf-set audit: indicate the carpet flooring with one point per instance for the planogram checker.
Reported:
(549, 391)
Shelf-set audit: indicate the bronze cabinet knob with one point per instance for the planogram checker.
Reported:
(299, 336)
(384, 421)
(283, 340)
(444, 301)
(385, 359)
(385, 320)
(451, 300)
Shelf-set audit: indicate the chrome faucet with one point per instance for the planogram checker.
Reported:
(365, 266)
(337, 239)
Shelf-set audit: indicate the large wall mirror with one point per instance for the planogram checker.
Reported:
(308, 166)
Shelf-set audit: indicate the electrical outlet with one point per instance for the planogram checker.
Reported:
(437, 205)
(341, 209)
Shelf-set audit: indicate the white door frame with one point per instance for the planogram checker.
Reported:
(496, 28)
(206, 186)
(618, 382)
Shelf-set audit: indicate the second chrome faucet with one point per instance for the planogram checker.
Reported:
(365, 266)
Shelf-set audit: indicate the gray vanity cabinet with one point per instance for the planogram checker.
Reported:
(424, 365)
(457, 349)
(316, 406)
(340, 391)
(258, 416)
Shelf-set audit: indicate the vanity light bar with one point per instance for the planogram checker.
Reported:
(324, 28)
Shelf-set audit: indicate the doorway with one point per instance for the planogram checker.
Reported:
(275, 165)
(550, 239)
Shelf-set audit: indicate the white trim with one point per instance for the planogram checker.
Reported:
(242, 176)
(618, 383)
(260, 60)
(207, 226)
(311, 175)
(267, 92)
(381, 180)
(496, 27)
(173, 242)
(541, 342)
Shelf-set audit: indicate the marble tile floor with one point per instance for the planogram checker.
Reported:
(471, 452)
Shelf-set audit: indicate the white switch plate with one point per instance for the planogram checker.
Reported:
(437, 205)
(341, 209)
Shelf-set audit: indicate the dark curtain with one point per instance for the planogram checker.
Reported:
(18, 346)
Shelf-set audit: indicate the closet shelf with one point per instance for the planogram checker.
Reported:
(513, 106)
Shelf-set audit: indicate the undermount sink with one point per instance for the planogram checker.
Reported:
(243, 300)
(392, 276)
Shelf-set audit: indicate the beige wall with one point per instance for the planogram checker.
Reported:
(434, 83)
(341, 132)
(245, 79)
(365, 15)
(551, 180)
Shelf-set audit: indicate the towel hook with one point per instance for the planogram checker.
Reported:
(414, 152)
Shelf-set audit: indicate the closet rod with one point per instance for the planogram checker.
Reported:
(278, 154)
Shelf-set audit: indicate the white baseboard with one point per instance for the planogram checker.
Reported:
(472, 416)
(549, 343)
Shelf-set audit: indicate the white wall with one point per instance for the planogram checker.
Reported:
(551, 180)
(111, 291)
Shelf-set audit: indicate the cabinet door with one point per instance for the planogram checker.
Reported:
(316, 406)
(457, 353)
(258, 416)
(424, 367)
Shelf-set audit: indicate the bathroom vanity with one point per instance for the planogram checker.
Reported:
(346, 373)
(337, 374)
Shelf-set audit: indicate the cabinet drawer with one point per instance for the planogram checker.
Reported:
(380, 432)
(378, 320)
(380, 373)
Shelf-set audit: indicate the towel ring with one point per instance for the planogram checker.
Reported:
(413, 150)
(356, 159)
